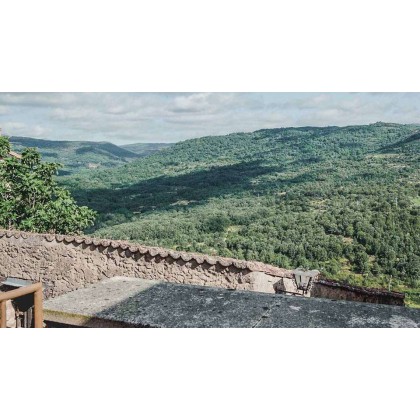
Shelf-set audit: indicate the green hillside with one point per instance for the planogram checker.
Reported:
(145, 149)
(342, 200)
(78, 155)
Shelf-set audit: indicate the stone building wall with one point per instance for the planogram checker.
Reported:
(67, 263)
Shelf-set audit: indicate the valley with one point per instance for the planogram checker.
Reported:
(343, 200)
(77, 156)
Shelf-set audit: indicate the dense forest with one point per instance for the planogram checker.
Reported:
(344, 200)
(145, 149)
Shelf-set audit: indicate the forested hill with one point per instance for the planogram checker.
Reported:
(344, 200)
(79, 155)
(145, 149)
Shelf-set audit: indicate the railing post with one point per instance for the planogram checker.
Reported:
(36, 290)
(3, 314)
(38, 309)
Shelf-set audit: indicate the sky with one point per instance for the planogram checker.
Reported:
(124, 118)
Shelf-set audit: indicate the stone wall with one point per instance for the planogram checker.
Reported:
(67, 263)
(338, 291)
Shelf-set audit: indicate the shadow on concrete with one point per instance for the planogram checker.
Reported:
(125, 302)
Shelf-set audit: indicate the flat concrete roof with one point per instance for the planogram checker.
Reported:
(128, 302)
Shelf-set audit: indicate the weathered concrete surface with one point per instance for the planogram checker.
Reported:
(144, 303)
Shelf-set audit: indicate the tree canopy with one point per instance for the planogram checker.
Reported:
(31, 199)
(344, 200)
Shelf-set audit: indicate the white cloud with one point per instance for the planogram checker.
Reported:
(149, 117)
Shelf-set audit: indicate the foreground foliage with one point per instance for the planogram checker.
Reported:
(30, 198)
(342, 200)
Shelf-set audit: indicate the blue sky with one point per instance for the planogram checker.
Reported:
(124, 118)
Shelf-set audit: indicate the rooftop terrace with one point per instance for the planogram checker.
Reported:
(131, 302)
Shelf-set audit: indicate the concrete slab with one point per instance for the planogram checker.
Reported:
(127, 302)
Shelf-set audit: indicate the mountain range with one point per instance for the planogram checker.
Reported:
(344, 200)
(79, 155)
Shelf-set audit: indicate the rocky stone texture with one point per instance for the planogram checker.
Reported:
(66, 263)
(125, 302)
(288, 286)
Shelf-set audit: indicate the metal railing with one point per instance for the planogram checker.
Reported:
(36, 290)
